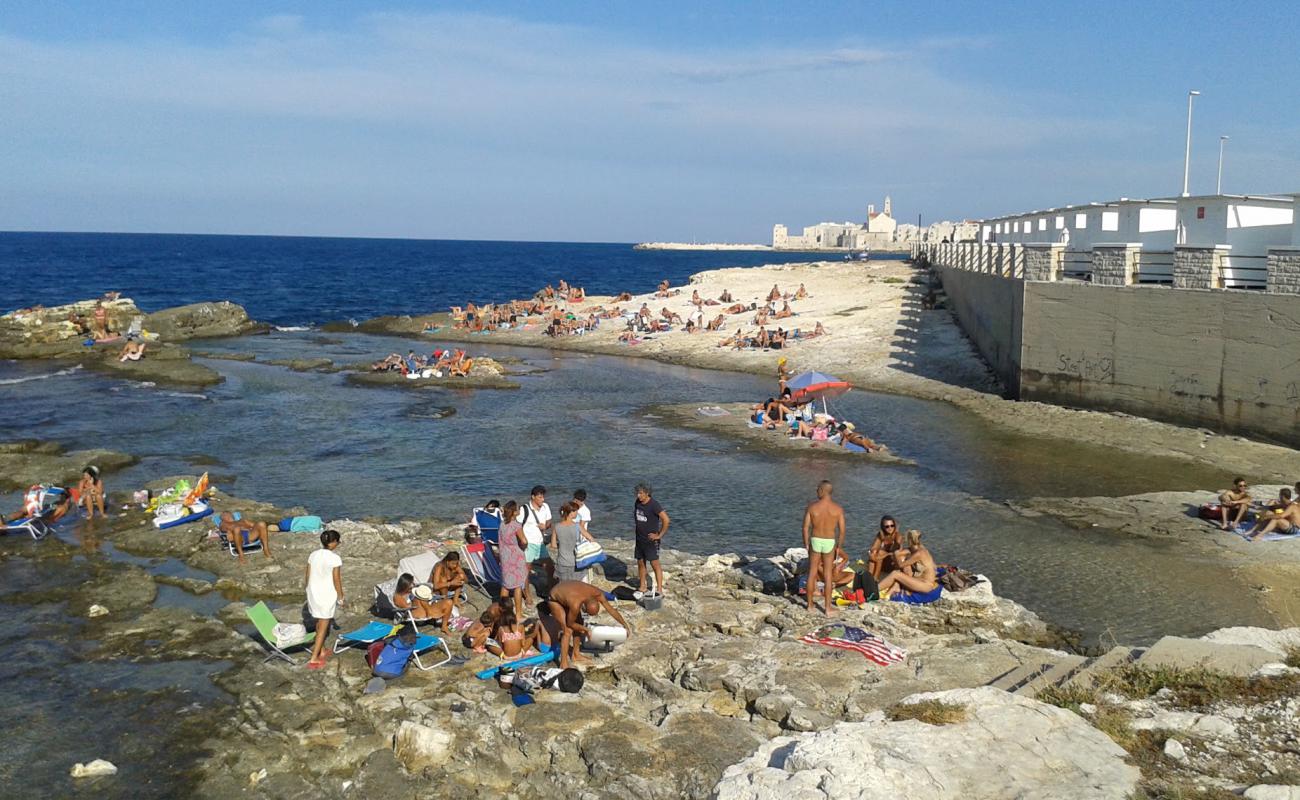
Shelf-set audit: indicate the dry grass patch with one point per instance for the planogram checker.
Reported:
(931, 712)
(1293, 657)
(1197, 688)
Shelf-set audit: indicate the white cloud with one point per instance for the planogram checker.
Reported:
(507, 114)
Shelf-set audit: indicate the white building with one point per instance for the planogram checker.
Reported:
(880, 228)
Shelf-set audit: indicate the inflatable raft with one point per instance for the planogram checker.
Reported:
(173, 515)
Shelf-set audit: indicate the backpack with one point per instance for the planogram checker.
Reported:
(393, 658)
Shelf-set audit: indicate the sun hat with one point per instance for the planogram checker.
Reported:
(424, 592)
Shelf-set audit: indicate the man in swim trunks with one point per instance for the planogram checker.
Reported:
(1283, 520)
(568, 602)
(823, 533)
(243, 533)
(1235, 501)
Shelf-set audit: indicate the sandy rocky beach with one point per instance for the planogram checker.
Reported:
(714, 695)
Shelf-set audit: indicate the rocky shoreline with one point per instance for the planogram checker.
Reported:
(699, 701)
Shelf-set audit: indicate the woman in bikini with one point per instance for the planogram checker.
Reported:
(916, 574)
(91, 491)
(885, 548)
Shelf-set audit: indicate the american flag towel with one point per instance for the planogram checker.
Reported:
(847, 637)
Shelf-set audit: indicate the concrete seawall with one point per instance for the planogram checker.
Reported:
(1224, 360)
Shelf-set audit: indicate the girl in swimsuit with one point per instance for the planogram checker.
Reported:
(91, 490)
(515, 640)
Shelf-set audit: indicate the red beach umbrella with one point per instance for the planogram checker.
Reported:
(816, 386)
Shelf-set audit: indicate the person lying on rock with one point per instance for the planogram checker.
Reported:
(1234, 502)
(917, 573)
(242, 533)
(849, 436)
(569, 601)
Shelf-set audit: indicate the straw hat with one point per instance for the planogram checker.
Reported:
(424, 592)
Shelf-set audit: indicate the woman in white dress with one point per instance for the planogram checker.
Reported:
(324, 584)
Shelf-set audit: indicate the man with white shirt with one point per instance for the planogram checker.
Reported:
(584, 513)
(535, 516)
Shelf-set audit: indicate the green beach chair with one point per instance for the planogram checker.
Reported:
(265, 622)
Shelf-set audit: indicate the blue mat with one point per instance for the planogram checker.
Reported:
(918, 599)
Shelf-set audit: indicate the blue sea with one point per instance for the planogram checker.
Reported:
(294, 281)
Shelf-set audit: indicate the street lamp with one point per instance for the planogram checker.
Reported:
(1218, 184)
(1187, 152)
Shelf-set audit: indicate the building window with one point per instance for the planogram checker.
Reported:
(1080, 221)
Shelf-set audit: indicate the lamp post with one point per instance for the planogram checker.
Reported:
(1218, 184)
(1187, 151)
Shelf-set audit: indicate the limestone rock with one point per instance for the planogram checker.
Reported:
(28, 462)
(419, 746)
(1008, 746)
(1278, 642)
(94, 769)
(1265, 791)
(96, 610)
(1174, 750)
(199, 321)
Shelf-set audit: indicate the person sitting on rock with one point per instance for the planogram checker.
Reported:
(91, 491)
(132, 351)
(785, 311)
(917, 573)
(515, 639)
(568, 602)
(462, 367)
(1284, 520)
(478, 636)
(1234, 502)
(801, 294)
(886, 548)
(725, 297)
(242, 533)
(775, 294)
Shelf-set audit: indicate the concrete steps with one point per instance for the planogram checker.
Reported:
(1032, 677)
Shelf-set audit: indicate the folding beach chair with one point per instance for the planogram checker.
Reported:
(265, 622)
(377, 631)
(249, 547)
(489, 524)
(482, 565)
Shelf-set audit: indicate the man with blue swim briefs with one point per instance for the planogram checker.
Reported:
(823, 532)
(243, 533)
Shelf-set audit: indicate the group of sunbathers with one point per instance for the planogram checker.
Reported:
(800, 420)
(451, 362)
(892, 564)
(1279, 515)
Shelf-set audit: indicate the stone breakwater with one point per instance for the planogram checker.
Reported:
(712, 695)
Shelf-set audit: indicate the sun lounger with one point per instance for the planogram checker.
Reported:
(264, 621)
(376, 631)
(482, 566)
(489, 525)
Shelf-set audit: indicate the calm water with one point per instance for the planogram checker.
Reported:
(310, 439)
(293, 281)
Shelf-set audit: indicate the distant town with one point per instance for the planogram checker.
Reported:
(879, 232)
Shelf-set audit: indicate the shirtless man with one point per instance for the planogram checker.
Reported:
(1236, 501)
(569, 601)
(242, 533)
(1284, 520)
(823, 533)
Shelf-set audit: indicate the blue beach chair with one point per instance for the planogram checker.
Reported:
(489, 525)
(377, 631)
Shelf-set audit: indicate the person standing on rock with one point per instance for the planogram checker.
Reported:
(324, 583)
(651, 524)
(823, 533)
(535, 516)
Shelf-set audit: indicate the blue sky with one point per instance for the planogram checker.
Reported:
(623, 121)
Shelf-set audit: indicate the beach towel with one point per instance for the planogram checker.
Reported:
(918, 598)
(1243, 530)
(307, 524)
(847, 637)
